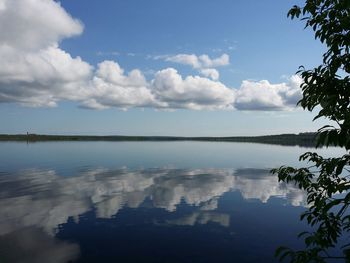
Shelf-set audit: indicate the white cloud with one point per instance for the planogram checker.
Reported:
(193, 92)
(262, 95)
(112, 73)
(204, 64)
(41, 78)
(108, 53)
(35, 24)
(199, 62)
(207, 62)
(210, 73)
(186, 59)
(36, 72)
(112, 88)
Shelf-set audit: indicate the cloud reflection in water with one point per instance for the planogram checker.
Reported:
(44, 199)
(40, 200)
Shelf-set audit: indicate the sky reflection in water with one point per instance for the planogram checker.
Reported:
(99, 214)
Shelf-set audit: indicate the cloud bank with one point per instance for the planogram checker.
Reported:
(36, 72)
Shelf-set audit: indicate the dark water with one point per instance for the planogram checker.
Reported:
(146, 202)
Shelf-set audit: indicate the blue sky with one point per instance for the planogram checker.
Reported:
(155, 67)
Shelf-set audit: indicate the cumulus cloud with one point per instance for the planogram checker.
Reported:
(111, 87)
(210, 73)
(262, 95)
(207, 62)
(35, 24)
(204, 64)
(41, 78)
(36, 72)
(193, 92)
(199, 62)
(186, 59)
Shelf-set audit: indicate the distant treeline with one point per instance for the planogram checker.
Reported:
(302, 139)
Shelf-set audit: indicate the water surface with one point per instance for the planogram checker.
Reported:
(146, 202)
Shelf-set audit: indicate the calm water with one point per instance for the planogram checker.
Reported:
(146, 202)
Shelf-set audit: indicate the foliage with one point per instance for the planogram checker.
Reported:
(326, 89)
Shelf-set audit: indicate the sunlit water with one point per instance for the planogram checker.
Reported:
(147, 202)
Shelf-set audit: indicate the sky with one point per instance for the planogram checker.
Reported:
(156, 67)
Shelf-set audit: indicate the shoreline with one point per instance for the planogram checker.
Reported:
(301, 139)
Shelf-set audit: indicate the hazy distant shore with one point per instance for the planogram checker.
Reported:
(301, 139)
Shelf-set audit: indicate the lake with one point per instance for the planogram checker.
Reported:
(147, 201)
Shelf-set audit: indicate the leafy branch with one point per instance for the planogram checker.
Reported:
(325, 88)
